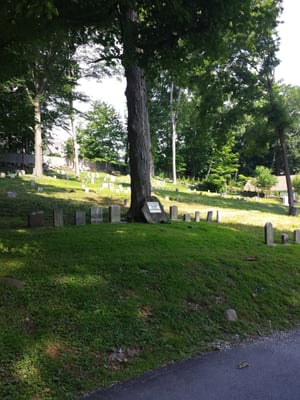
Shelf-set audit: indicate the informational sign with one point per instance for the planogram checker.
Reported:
(154, 207)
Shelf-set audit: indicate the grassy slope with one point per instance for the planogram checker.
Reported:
(104, 303)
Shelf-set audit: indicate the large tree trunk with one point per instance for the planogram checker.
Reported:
(292, 208)
(138, 122)
(174, 134)
(139, 141)
(38, 149)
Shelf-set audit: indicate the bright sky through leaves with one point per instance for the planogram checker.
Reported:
(289, 54)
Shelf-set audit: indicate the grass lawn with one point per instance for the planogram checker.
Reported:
(97, 304)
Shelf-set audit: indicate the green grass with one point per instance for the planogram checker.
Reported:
(103, 303)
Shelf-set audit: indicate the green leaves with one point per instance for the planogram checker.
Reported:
(104, 136)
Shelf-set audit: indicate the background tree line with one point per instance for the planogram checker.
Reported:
(206, 72)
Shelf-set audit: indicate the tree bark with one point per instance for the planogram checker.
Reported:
(38, 149)
(138, 123)
(174, 135)
(292, 208)
(139, 141)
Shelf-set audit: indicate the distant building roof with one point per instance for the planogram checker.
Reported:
(279, 187)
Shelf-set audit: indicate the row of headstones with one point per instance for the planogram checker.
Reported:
(37, 218)
(173, 213)
(269, 235)
(19, 172)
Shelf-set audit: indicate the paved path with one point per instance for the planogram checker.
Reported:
(273, 373)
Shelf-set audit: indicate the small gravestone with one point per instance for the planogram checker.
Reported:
(218, 216)
(269, 234)
(80, 217)
(105, 185)
(36, 219)
(209, 216)
(153, 210)
(173, 213)
(11, 195)
(231, 315)
(12, 282)
(2, 174)
(114, 213)
(297, 235)
(32, 183)
(187, 217)
(285, 200)
(58, 217)
(197, 216)
(96, 215)
(285, 238)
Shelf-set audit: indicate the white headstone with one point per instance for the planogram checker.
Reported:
(173, 213)
(269, 235)
(187, 217)
(96, 215)
(114, 213)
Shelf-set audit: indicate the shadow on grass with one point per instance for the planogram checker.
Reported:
(45, 197)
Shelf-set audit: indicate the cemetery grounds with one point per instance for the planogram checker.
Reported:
(83, 307)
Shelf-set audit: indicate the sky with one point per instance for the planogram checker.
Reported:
(112, 90)
(289, 32)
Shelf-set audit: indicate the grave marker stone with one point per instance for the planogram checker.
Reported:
(173, 213)
(11, 195)
(187, 217)
(197, 216)
(2, 174)
(114, 213)
(209, 216)
(231, 315)
(80, 217)
(285, 238)
(269, 234)
(297, 235)
(58, 217)
(96, 215)
(36, 219)
(153, 210)
(218, 216)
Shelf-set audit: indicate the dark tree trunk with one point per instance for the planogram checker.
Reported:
(139, 141)
(138, 123)
(292, 208)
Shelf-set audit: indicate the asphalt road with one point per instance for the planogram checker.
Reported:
(265, 369)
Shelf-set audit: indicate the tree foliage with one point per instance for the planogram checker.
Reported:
(104, 137)
(264, 178)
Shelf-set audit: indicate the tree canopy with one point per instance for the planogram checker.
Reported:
(222, 52)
